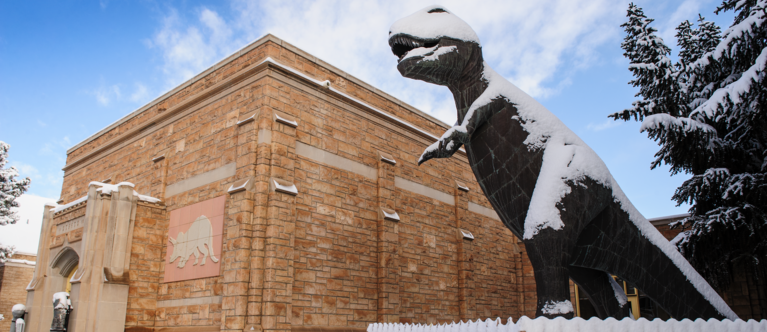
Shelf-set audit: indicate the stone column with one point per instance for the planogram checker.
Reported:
(239, 229)
(466, 301)
(388, 243)
(101, 281)
(280, 226)
(90, 270)
(263, 302)
(36, 289)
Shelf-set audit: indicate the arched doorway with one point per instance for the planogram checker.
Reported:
(63, 268)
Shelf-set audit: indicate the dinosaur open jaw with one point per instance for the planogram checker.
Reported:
(402, 44)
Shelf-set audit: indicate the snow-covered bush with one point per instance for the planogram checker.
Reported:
(707, 113)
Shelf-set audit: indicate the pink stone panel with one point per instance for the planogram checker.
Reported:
(199, 216)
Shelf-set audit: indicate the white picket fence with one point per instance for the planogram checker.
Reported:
(578, 324)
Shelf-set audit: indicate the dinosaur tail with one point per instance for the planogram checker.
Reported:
(615, 244)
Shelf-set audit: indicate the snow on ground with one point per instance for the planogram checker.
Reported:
(25, 233)
(557, 308)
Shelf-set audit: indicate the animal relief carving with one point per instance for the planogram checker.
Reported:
(197, 239)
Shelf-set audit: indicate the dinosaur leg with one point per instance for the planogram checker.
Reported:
(551, 274)
(597, 287)
(613, 243)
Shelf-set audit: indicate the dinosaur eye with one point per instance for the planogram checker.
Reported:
(437, 10)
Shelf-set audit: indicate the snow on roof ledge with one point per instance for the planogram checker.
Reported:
(20, 261)
(106, 188)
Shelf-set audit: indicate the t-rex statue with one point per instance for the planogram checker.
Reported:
(549, 188)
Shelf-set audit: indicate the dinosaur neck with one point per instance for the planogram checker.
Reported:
(469, 86)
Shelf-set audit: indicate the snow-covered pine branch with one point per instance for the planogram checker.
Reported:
(707, 113)
(10, 189)
(654, 73)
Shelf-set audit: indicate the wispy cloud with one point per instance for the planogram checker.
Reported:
(188, 48)
(108, 94)
(56, 149)
(537, 45)
(105, 94)
(46, 183)
(141, 93)
(607, 124)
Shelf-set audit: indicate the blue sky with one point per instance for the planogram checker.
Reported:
(70, 68)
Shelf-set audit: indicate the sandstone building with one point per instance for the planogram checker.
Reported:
(273, 192)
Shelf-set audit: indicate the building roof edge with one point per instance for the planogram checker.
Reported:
(237, 54)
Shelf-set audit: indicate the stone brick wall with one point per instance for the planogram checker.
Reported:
(149, 233)
(14, 278)
(325, 257)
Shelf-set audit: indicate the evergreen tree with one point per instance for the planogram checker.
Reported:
(707, 113)
(10, 189)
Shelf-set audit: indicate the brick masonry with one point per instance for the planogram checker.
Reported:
(324, 257)
(14, 278)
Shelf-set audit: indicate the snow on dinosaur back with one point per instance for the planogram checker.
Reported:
(566, 158)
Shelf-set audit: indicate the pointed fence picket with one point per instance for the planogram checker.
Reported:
(542, 324)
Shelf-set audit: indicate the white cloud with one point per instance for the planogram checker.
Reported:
(607, 124)
(56, 147)
(106, 94)
(47, 182)
(189, 49)
(140, 94)
(537, 45)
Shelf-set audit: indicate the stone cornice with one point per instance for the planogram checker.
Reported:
(236, 55)
(245, 76)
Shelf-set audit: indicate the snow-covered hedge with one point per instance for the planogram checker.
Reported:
(578, 324)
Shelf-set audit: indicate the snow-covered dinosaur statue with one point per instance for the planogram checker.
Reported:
(549, 188)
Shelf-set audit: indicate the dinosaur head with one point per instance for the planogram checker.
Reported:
(434, 45)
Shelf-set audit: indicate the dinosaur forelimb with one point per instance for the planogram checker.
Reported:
(447, 145)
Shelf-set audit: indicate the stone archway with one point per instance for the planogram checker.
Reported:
(63, 267)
